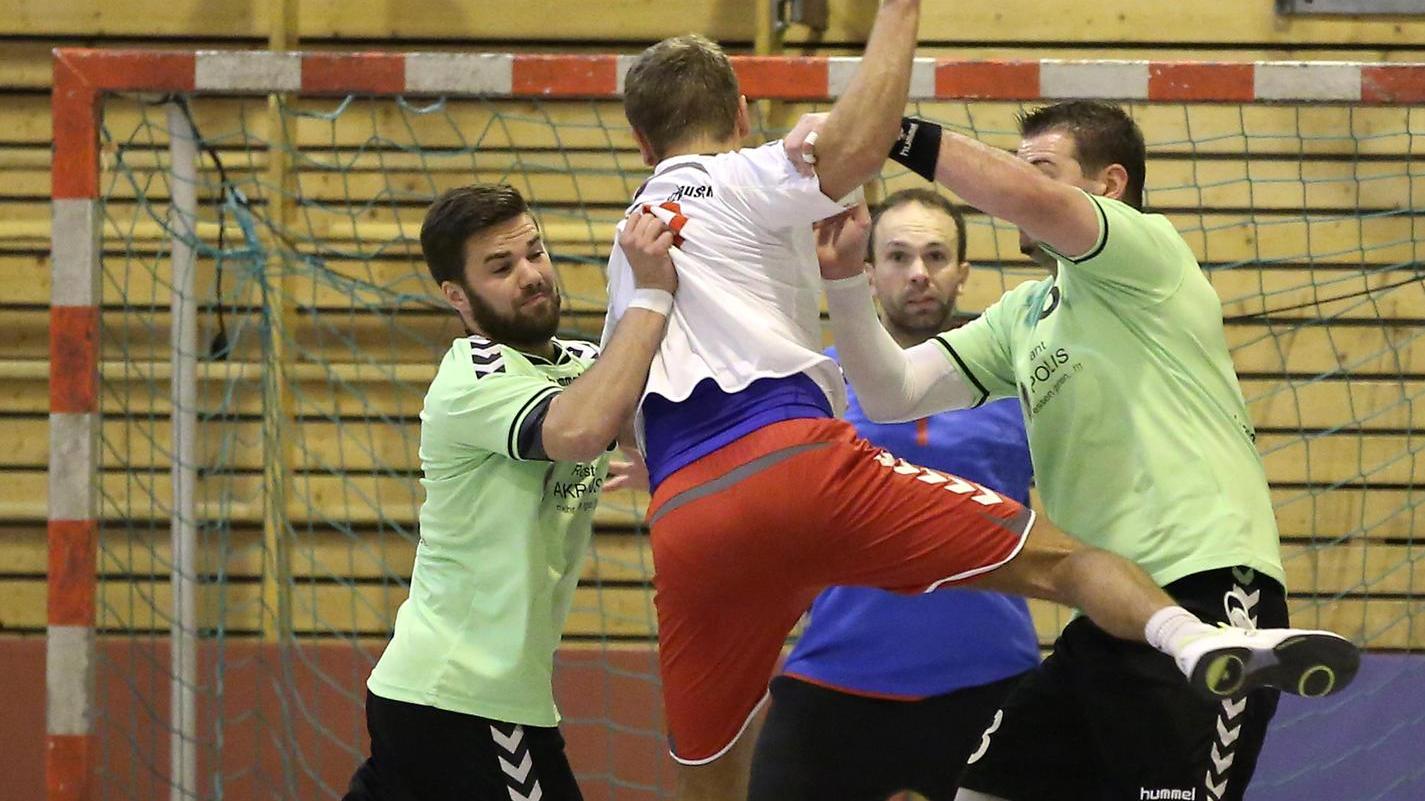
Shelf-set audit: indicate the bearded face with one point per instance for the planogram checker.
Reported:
(508, 292)
(528, 321)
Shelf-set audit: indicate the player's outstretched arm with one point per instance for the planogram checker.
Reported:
(987, 178)
(891, 384)
(1011, 189)
(590, 413)
(853, 143)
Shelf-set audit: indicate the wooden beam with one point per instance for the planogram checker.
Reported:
(279, 407)
(618, 20)
(610, 177)
(397, 283)
(1218, 22)
(1231, 238)
(1127, 21)
(1313, 514)
(318, 609)
(325, 451)
(356, 392)
(1259, 129)
(1331, 568)
(1388, 349)
(324, 610)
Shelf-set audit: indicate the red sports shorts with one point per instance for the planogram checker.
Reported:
(745, 538)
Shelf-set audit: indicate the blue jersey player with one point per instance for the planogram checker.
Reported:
(887, 692)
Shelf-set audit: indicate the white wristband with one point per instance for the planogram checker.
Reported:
(654, 300)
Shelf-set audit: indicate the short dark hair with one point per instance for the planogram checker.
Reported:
(1103, 134)
(925, 197)
(681, 88)
(459, 214)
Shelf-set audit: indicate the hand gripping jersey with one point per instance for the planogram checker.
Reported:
(749, 290)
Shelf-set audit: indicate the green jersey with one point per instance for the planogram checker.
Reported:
(502, 539)
(1140, 438)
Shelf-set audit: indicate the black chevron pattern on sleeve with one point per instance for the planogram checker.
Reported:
(580, 348)
(487, 357)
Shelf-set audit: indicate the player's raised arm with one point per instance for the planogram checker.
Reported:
(863, 123)
(1022, 191)
(592, 411)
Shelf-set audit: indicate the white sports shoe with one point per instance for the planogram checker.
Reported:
(1231, 661)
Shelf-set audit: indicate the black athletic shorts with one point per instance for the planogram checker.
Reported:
(1105, 719)
(420, 753)
(822, 745)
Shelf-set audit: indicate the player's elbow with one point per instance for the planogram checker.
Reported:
(884, 410)
(847, 162)
(578, 444)
(841, 177)
(1030, 202)
(578, 428)
(1039, 206)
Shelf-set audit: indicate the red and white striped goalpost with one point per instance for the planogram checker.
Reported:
(82, 77)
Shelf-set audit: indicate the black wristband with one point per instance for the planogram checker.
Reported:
(918, 146)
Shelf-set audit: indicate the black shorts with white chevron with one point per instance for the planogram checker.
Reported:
(819, 744)
(1104, 718)
(420, 753)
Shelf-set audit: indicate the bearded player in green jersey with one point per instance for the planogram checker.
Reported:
(1141, 444)
(515, 434)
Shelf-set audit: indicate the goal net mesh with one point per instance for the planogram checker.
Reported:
(319, 329)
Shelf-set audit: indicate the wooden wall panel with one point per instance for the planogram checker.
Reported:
(1216, 22)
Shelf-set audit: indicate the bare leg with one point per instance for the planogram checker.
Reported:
(725, 778)
(1114, 592)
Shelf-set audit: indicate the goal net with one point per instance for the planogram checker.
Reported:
(245, 330)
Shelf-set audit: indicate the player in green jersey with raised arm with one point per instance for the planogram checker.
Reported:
(515, 435)
(1141, 443)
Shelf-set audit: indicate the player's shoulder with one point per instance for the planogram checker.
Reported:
(476, 358)
(1019, 306)
(1026, 293)
(477, 363)
(700, 177)
(1122, 219)
(471, 363)
(677, 179)
(767, 163)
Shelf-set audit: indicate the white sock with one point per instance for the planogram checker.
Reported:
(1172, 627)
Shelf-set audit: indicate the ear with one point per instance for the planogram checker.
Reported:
(650, 159)
(455, 296)
(744, 118)
(1115, 181)
(964, 275)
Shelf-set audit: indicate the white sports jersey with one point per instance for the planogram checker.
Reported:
(749, 288)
